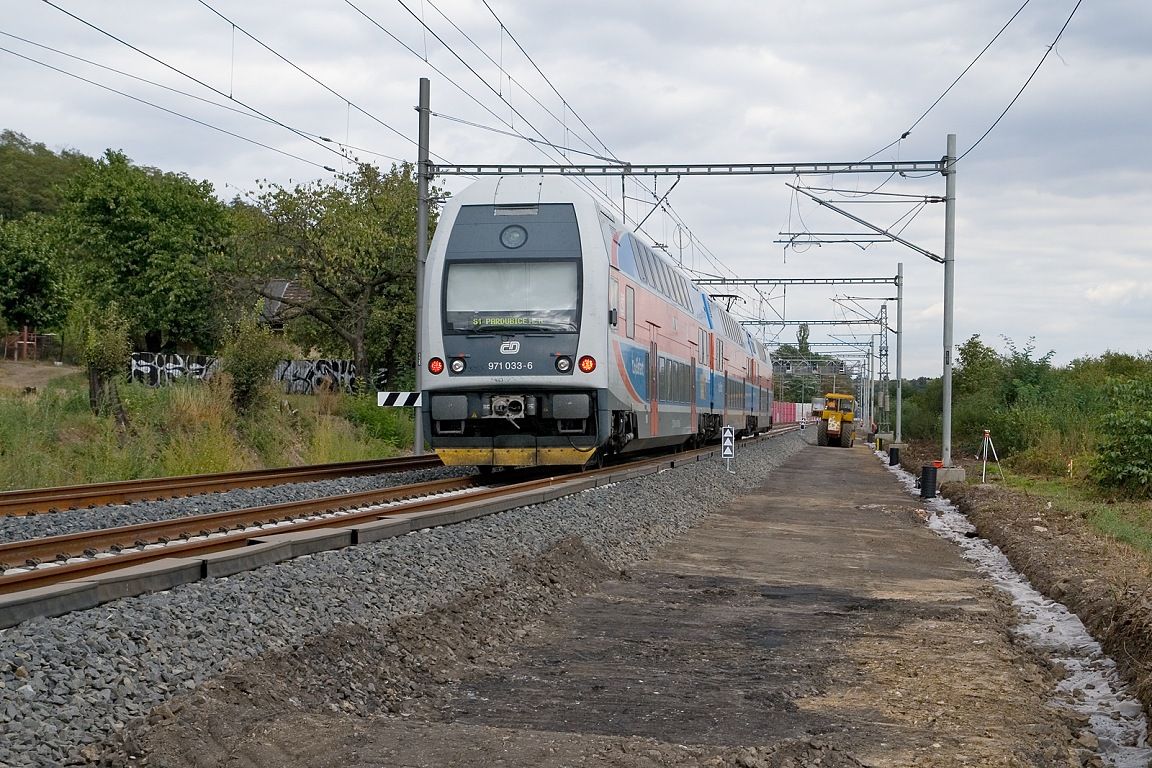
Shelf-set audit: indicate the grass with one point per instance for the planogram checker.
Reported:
(1067, 486)
(1126, 521)
(51, 438)
(1131, 526)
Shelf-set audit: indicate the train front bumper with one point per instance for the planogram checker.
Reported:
(515, 457)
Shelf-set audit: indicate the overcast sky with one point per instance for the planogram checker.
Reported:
(1054, 238)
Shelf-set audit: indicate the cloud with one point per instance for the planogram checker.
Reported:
(1120, 292)
(1050, 204)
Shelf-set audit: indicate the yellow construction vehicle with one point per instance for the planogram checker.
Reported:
(837, 420)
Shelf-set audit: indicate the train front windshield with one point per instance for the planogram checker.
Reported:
(500, 296)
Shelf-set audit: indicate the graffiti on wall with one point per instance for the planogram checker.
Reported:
(305, 377)
(156, 369)
(298, 377)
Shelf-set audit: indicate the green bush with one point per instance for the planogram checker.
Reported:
(249, 358)
(106, 347)
(1124, 456)
(395, 426)
(971, 415)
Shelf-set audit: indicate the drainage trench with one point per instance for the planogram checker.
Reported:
(1092, 686)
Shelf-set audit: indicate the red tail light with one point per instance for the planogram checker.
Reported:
(435, 366)
(587, 364)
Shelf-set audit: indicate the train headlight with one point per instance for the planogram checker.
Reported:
(587, 364)
(435, 366)
(563, 364)
(513, 236)
(458, 365)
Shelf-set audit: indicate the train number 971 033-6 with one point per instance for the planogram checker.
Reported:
(509, 365)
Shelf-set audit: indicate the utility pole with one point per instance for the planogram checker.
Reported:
(872, 376)
(422, 178)
(899, 359)
(949, 292)
(884, 422)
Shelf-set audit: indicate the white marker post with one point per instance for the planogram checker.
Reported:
(728, 447)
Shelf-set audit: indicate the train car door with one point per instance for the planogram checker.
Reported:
(692, 422)
(720, 385)
(654, 385)
(750, 391)
(713, 364)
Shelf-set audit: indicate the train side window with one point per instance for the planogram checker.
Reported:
(665, 277)
(641, 261)
(630, 311)
(683, 284)
(655, 265)
(661, 279)
(649, 266)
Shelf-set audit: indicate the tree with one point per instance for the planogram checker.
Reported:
(351, 245)
(149, 241)
(1027, 379)
(32, 176)
(30, 281)
(979, 368)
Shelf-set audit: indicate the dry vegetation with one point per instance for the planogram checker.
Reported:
(49, 435)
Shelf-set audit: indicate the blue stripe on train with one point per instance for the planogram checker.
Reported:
(636, 369)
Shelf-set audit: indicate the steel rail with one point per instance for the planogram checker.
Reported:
(291, 511)
(38, 500)
(296, 516)
(34, 551)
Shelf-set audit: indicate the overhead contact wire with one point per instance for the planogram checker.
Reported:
(196, 80)
(524, 88)
(309, 75)
(546, 80)
(165, 109)
(170, 89)
(1026, 82)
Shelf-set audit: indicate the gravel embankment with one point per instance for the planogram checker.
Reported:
(80, 520)
(71, 685)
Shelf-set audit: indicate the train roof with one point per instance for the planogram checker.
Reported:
(521, 190)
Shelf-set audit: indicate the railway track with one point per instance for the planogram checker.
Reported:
(42, 500)
(55, 575)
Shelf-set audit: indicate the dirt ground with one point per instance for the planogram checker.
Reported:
(18, 376)
(1106, 583)
(817, 622)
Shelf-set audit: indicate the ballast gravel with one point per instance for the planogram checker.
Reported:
(71, 685)
(20, 528)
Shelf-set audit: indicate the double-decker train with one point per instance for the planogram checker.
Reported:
(553, 335)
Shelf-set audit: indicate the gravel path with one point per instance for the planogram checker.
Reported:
(70, 685)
